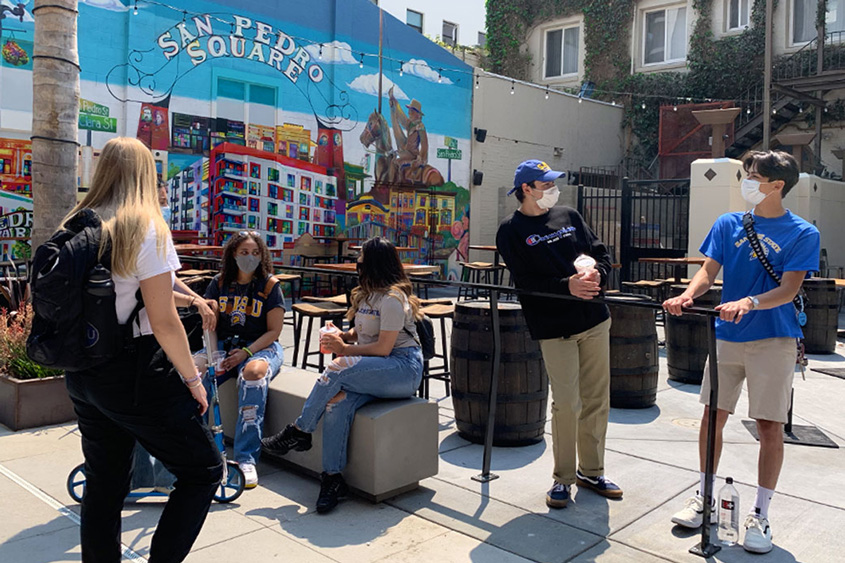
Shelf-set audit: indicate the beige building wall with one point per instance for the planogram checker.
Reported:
(818, 200)
(561, 131)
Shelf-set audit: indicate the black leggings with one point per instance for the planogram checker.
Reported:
(139, 397)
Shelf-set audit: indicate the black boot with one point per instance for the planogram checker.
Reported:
(332, 489)
(291, 438)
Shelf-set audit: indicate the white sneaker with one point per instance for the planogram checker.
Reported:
(692, 516)
(758, 534)
(250, 475)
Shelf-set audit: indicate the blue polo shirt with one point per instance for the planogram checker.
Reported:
(790, 243)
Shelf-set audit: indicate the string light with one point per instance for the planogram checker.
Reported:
(402, 69)
(547, 92)
(310, 41)
(674, 108)
(748, 110)
(643, 105)
(476, 82)
(439, 76)
(774, 112)
(580, 99)
(320, 56)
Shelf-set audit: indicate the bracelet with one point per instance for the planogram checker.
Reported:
(195, 386)
(197, 377)
(192, 301)
(248, 351)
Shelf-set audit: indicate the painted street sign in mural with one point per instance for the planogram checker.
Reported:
(277, 116)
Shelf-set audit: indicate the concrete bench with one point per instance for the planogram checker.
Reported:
(393, 444)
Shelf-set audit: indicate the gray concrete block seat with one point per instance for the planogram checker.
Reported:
(392, 445)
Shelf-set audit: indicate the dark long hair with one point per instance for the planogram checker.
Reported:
(229, 268)
(381, 271)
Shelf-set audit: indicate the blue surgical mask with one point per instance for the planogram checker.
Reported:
(166, 213)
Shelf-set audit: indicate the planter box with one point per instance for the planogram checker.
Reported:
(27, 403)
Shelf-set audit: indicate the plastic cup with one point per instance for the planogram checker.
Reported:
(328, 329)
(585, 263)
(201, 361)
(217, 358)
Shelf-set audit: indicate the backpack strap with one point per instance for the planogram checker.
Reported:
(268, 287)
(754, 241)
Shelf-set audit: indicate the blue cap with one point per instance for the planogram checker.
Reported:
(532, 170)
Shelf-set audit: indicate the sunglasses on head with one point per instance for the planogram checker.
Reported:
(249, 233)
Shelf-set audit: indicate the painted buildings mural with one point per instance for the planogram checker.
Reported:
(271, 116)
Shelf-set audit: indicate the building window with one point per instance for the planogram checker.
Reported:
(414, 20)
(738, 11)
(665, 35)
(450, 33)
(562, 51)
(482, 39)
(804, 19)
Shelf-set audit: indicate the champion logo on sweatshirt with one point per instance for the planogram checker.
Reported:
(563, 232)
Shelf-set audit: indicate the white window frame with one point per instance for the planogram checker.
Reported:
(791, 32)
(562, 28)
(741, 25)
(644, 16)
(422, 19)
(443, 36)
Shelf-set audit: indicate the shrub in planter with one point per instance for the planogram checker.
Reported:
(30, 394)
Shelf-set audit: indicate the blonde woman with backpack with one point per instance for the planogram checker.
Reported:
(152, 391)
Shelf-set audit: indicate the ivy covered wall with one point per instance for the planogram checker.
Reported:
(720, 69)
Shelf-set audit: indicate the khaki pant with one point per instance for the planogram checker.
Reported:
(579, 373)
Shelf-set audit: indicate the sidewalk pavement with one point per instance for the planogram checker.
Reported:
(651, 453)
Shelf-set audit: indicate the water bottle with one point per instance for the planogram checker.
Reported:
(328, 329)
(98, 303)
(728, 513)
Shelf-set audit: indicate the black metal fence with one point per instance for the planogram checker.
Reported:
(643, 219)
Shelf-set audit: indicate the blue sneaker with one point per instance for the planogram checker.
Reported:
(601, 484)
(558, 496)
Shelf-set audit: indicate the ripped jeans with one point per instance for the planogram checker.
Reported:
(362, 379)
(252, 401)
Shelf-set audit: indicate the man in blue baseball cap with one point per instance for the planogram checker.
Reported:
(550, 249)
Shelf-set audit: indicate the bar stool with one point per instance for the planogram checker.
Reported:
(295, 283)
(476, 272)
(440, 311)
(316, 282)
(336, 299)
(324, 312)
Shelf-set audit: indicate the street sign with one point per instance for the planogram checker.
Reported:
(97, 123)
(89, 107)
(451, 143)
(451, 154)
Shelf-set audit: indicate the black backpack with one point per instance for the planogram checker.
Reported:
(425, 336)
(74, 326)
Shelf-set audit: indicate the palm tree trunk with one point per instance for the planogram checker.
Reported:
(55, 115)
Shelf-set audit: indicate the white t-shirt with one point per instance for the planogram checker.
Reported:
(149, 264)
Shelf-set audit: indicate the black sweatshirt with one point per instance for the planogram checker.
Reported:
(540, 253)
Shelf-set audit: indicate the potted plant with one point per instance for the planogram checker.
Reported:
(30, 395)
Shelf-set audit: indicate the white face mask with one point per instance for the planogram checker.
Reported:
(247, 263)
(549, 199)
(751, 192)
(165, 212)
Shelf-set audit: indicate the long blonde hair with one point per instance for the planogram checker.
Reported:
(124, 194)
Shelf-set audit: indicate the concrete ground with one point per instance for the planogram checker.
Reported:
(651, 453)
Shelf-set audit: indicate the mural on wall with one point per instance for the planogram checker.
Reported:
(275, 116)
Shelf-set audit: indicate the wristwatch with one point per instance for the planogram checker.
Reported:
(754, 302)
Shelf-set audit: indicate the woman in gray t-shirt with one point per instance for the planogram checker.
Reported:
(379, 357)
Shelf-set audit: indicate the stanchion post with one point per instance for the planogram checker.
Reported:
(485, 475)
(705, 548)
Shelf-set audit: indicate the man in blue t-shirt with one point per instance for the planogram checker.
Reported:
(757, 327)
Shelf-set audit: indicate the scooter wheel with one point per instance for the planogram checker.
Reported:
(76, 483)
(232, 485)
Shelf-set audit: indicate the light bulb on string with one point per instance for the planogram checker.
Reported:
(401, 68)
(774, 112)
(476, 82)
(748, 110)
(135, 10)
(580, 100)
(674, 108)
(547, 93)
(439, 76)
(643, 105)
(512, 85)
(361, 64)
(320, 56)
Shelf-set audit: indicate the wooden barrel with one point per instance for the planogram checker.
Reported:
(633, 354)
(822, 310)
(523, 386)
(686, 338)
